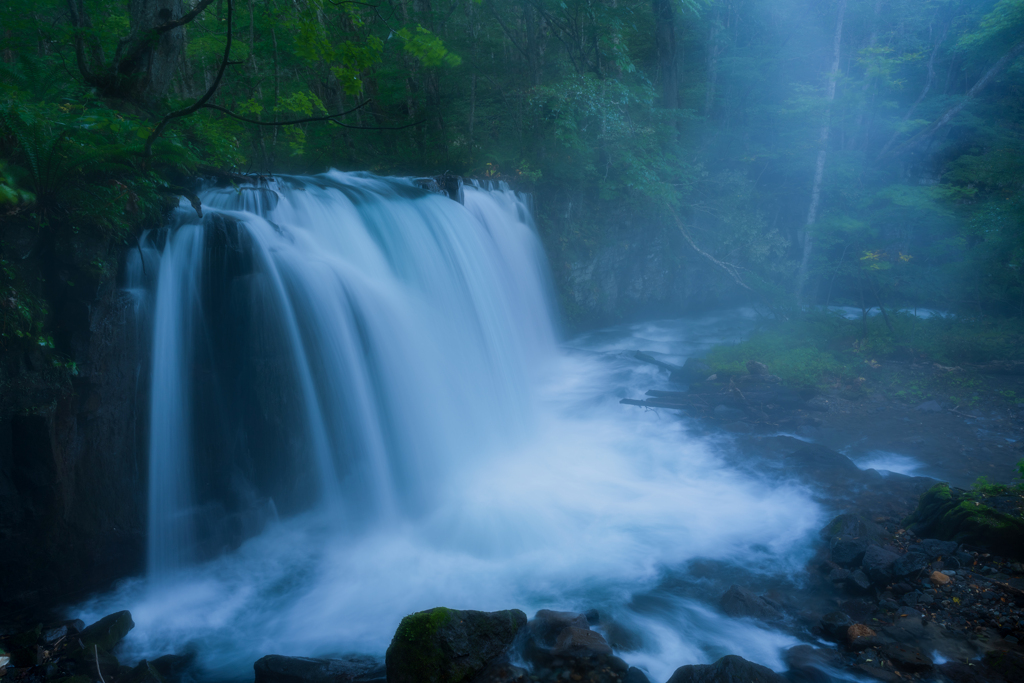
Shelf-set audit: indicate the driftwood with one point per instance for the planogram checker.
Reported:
(641, 356)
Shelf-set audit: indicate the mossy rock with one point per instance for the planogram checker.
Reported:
(951, 514)
(443, 645)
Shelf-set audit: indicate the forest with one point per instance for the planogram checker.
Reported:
(855, 152)
(716, 273)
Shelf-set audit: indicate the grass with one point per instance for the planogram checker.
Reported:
(825, 349)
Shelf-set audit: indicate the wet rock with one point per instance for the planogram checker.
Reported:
(738, 427)
(1008, 663)
(910, 564)
(580, 642)
(950, 514)
(809, 664)
(929, 407)
(835, 624)
(849, 552)
(839, 575)
(52, 635)
(450, 646)
(934, 548)
(740, 602)
(877, 563)
(547, 625)
(172, 668)
(858, 583)
(728, 669)
(144, 672)
(860, 637)
(939, 579)
(108, 631)
(635, 675)
(280, 669)
(906, 658)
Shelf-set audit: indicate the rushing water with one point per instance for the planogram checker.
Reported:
(360, 410)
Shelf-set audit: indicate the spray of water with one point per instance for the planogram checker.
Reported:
(359, 411)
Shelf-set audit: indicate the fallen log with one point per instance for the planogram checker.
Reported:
(641, 356)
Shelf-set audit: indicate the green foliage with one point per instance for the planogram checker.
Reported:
(428, 48)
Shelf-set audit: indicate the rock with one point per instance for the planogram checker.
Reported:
(908, 613)
(1009, 663)
(85, 661)
(635, 675)
(755, 368)
(108, 631)
(578, 642)
(909, 564)
(442, 645)
(839, 575)
(858, 631)
(729, 414)
(934, 548)
(835, 625)
(144, 672)
(281, 669)
(858, 582)
(950, 514)
(939, 579)
(877, 564)
(728, 669)
(52, 635)
(172, 668)
(849, 552)
(929, 407)
(547, 625)
(740, 602)
(739, 427)
(809, 664)
(906, 658)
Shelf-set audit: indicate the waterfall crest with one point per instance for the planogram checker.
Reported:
(339, 341)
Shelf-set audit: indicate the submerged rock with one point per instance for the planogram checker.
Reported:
(443, 645)
(740, 602)
(280, 669)
(728, 669)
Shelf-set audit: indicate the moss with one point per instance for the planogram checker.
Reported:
(417, 644)
(961, 516)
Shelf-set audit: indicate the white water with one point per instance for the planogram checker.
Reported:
(456, 455)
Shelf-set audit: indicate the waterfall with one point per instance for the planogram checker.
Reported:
(335, 342)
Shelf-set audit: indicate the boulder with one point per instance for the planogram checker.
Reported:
(144, 672)
(108, 631)
(755, 368)
(858, 582)
(849, 552)
(910, 564)
(442, 645)
(906, 658)
(281, 669)
(728, 669)
(635, 675)
(950, 514)
(547, 625)
(740, 602)
(877, 564)
(835, 625)
(576, 642)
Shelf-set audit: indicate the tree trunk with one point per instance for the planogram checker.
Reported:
(665, 40)
(150, 72)
(819, 167)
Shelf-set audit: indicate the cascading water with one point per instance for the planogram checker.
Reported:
(359, 410)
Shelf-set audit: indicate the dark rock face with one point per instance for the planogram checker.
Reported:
(354, 669)
(72, 474)
(728, 669)
(108, 631)
(740, 602)
(449, 646)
